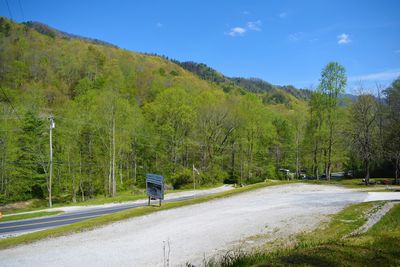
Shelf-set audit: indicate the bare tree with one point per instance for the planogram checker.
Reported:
(364, 129)
(392, 127)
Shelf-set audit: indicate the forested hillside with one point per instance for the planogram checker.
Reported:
(273, 93)
(120, 114)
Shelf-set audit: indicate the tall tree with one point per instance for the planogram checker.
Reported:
(31, 163)
(364, 129)
(392, 127)
(332, 84)
(314, 132)
(298, 123)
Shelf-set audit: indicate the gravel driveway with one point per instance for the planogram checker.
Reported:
(190, 233)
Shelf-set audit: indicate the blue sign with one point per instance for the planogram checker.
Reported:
(155, 186)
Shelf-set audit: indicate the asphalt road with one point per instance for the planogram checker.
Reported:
(29, 225)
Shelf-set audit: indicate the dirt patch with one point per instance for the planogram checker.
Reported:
(17, 205)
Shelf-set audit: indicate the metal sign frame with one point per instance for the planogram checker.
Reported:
(155, 186)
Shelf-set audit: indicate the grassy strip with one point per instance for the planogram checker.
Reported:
(354, 183)
(329, 246)
(122, 215)
(40, 204)
(28, 216)
(123, 196)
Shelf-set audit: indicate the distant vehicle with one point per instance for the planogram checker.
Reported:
(349, 174)
(286, 172)
(334, 175)
(302, 175)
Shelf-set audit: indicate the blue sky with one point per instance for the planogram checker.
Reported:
(283, 42)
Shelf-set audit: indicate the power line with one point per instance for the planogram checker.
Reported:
(20, 8)
(9, 10)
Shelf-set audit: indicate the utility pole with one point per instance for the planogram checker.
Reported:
(52, 125)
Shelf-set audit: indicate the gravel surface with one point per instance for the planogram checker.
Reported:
(375, 217)
(375, 196)
(190, 233)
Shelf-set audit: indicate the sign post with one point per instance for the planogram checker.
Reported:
(155, 187)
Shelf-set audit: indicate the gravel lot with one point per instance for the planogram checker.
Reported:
(190, 233)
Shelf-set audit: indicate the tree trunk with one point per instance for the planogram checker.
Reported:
(241, 165)
(297, 157)
(109, 185)
(135, 169)
(49, 186)
(187, 156)
(250, 165)
(127, 167)
(233, 161)
(80, 177)
(367, 172)
(73, 180)
(397, 168)
(91, 189)
(315, 161)
(328, 169)
(120, 173)
(114, 182)
(174, 156)
(2, 174)
(109, 176)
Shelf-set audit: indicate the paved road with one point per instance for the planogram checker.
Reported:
(29, 225)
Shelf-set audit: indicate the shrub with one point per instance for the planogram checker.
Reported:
(213, 175)
(181, 178)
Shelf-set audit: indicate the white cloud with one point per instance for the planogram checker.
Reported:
(343, 38)
(254, 25)
(387, 75)
(237, 31)
(159, 25)
(294, 37)
(246, 12)
(250, 26)
(283, 15)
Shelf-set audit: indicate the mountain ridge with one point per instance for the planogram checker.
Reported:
(252, 84)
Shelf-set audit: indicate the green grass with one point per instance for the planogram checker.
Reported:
(121, 197)
(122, 215)
(28, 216)
(330, 245)
(354, 183)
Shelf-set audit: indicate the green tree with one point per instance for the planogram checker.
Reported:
(332, 84)
(173, 114)
(314, 132)
(29, 179)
